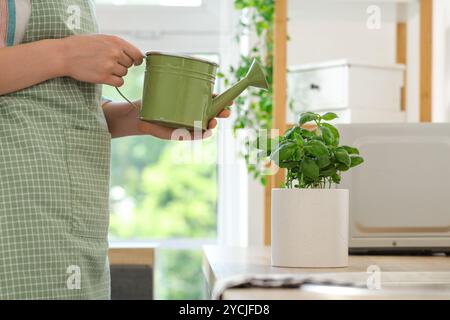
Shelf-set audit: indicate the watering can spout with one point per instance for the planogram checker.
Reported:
(255, 78)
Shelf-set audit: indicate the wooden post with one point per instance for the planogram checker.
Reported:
(279, 75)
(279, 98)
(402, 57)
(426, 59)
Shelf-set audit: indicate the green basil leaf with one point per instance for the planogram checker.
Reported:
(334, 131)
(310, 169)
(342, 156)
(342, 167)
(355, 161)
(327, 135)
(288, 151)
(328, 172)
(316, 148)
(288, 164)
(299, 139)
(300, 153)
(306, 134)
(329, 116)
(323, 161)
(284, 152)
(307, 117)
(351, 150)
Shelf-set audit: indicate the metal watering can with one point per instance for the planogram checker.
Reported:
(178, 90)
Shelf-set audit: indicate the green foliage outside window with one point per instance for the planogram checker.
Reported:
(178, 274)
(170, 200)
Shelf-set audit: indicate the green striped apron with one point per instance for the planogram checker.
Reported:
(54, 176)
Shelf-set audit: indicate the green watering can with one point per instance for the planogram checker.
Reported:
(178, 90)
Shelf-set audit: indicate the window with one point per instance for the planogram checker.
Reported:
(152, 196)
(155, 198)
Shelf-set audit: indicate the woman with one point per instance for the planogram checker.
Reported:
(55, 147)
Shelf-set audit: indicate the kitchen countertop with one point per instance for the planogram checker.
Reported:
(402, 277)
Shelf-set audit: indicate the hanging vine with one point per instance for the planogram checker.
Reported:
(254, 110)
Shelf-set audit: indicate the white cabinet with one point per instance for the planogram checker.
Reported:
(357, 92)
(318, 89)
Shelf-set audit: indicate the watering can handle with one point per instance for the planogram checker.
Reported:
(128, 100)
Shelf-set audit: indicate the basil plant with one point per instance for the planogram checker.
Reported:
(313, 157)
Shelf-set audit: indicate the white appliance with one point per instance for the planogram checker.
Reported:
(357, 92)
(400, 195)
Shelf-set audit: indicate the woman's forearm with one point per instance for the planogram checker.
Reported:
(25, 65)
(99, 59)
(122, 119)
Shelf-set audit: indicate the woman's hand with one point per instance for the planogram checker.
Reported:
(99, 59)
(123, 120)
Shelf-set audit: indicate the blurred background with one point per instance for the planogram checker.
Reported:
(184, 206)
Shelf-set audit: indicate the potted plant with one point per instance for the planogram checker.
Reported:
(310, 215)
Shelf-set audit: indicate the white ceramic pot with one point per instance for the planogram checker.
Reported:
(310, 228)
